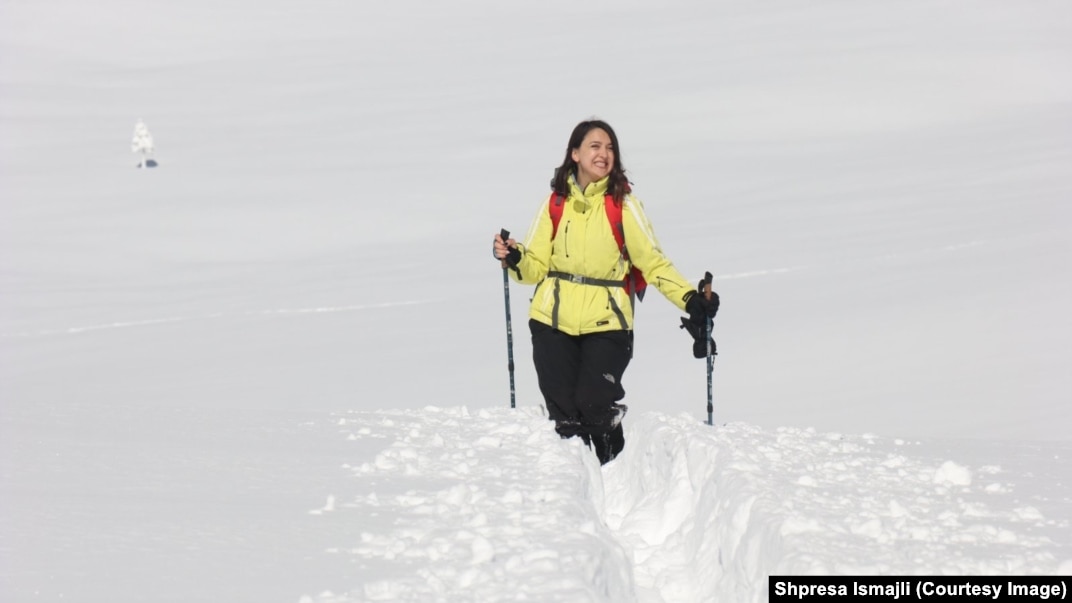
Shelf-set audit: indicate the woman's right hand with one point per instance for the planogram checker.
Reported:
(502, 248)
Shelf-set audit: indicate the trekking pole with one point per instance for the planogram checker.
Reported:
(710, 357)
(505, 234)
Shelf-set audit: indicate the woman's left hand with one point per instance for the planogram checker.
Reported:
(699, 307)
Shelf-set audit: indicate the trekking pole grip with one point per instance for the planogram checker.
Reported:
(505, 234)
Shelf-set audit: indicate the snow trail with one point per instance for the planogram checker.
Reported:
(491, 505)
(709, 514)
(150, 322)
(313, 310)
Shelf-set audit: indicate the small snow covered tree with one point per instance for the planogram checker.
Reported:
(142, 144)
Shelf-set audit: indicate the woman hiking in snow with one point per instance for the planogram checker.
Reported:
(581, 316)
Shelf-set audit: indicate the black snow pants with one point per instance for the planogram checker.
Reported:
(580, 378)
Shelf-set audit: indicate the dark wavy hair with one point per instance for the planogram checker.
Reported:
(617, 185)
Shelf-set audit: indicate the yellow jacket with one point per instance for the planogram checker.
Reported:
(584, 247)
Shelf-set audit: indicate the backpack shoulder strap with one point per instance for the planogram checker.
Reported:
(614, 215)
(554, 207)
(635, 282)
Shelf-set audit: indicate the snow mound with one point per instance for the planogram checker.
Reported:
(744, 503)
(487, 506)
(491, 505)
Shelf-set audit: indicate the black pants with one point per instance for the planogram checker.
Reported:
(581, 379)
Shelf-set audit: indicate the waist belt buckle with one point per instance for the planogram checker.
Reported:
(576, 278)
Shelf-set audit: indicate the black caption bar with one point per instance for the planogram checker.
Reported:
(918, 588)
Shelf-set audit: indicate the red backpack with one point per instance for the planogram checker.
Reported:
(634, 281)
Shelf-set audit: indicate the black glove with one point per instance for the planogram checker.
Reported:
(513, 257)
(699, 342)
(700, 310)
(513, 254)
(699, 307)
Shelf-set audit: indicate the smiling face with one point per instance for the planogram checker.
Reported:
(594, 158)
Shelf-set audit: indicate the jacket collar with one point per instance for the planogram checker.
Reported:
(597, 189)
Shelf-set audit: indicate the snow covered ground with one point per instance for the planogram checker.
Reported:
(273, 368)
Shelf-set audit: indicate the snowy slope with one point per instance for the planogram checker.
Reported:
(274, 366)
(491, 506)
(879, 192)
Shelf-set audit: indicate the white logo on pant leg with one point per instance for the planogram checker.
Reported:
(608, 377)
